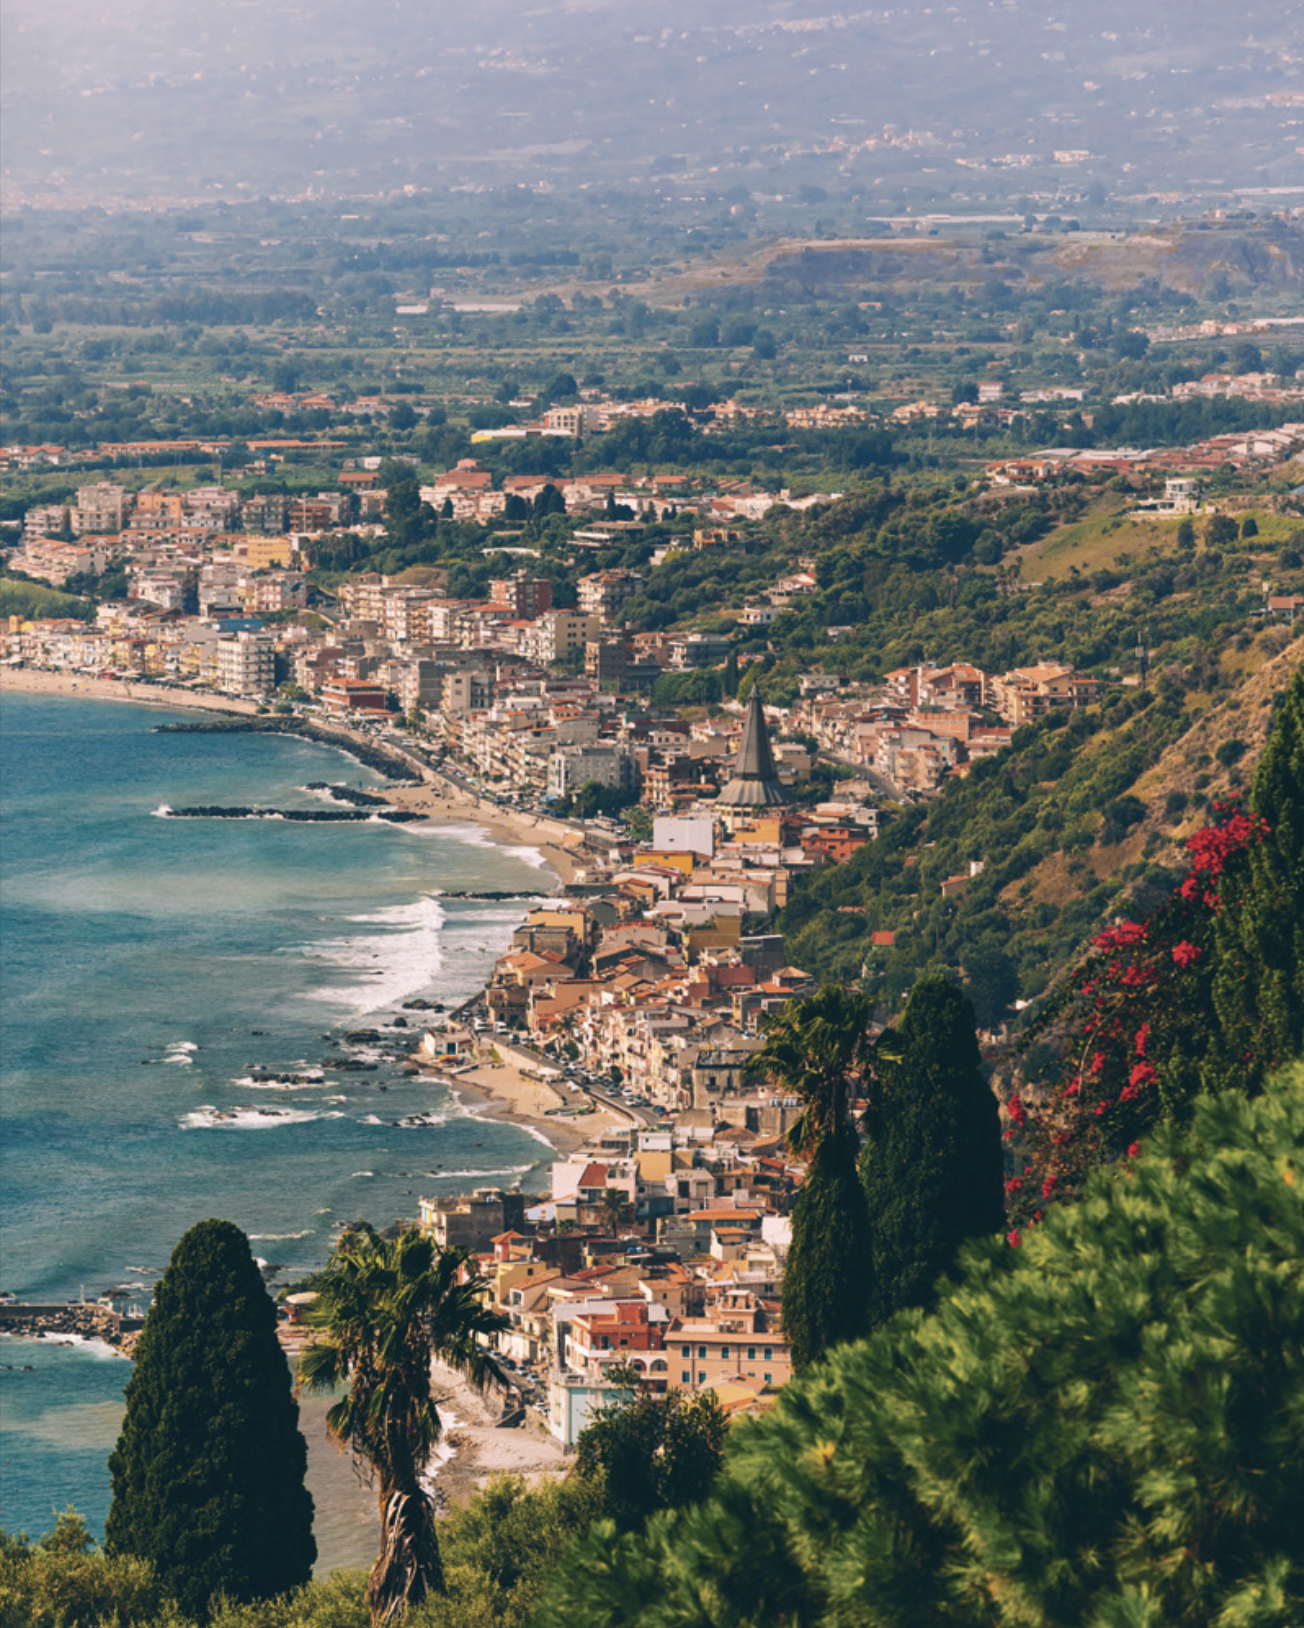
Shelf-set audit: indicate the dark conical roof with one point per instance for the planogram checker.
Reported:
(755, 783)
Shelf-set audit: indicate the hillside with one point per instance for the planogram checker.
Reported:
(1082, 818)
(1267, 256)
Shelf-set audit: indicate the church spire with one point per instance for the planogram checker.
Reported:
(755, 782)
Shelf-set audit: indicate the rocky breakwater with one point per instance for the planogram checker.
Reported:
(340, 793)
(305, 816)
(77, 1319)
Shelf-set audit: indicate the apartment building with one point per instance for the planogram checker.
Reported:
(102, 507)
(604, 592)
(559, 636)
(523, 597)
(246, 663)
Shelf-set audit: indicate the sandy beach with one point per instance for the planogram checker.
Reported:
(443, 803)
(347, 1522)
(507, 1093)
(43, 681)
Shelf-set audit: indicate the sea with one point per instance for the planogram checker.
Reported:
(151, 968)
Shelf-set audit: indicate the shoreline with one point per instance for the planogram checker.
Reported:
(444, 806)
(443, 803)
(496, 1090)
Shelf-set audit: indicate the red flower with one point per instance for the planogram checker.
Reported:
(1097, 1061)
(1014, 1184)
(1133, 1149)
(1142, 1036)
(1073, 1087)
(1048, 1186)
(1102, 1108)
(1017, 1112)
(1186, 955)
(1013, 1238)
(1142, 1074)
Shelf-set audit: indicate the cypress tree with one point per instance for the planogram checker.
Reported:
(816, 1047)
(208, 1471)
(932, 1165)
(1258, 983)
(826, 1278)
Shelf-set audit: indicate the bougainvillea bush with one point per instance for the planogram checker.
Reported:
(1207, 994)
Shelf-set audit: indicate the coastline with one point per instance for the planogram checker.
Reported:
(498, 1092)
(442, 802)
(494, 1090)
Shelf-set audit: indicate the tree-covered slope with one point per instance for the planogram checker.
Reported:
(1099, 1427)
(1083, 811)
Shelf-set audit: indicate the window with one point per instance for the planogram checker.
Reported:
(751, 1353)
(769, 1353)
(701, 1352)
(688, 1351)
(685, 1378)
(769, 1379)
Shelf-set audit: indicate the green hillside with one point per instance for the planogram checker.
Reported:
(1083, 811)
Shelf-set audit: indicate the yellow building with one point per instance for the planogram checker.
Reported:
(262, 552)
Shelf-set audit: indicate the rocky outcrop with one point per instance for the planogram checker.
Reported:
(93, 1322)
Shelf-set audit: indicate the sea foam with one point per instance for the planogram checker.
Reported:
(407, 950)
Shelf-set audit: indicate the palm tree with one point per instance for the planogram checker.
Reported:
(614, 1205)
(815, 1047)
(385, 1309)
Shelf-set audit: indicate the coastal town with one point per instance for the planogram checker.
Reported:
(627, 1013)
(627, 1009)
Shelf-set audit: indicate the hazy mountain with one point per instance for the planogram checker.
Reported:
(153, 97)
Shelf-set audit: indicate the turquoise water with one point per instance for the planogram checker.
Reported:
(148, 965)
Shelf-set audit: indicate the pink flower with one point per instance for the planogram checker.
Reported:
(1014, 1239)
(1186, 955)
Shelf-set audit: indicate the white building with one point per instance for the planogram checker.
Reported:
(246, 663)
(558, 635)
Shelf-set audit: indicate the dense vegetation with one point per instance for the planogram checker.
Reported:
(1098, 1427)
(1205, 993)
